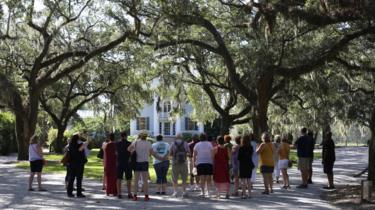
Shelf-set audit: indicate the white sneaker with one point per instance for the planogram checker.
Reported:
(201, 195)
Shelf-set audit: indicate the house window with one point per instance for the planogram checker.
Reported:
(167, 106)
(190, 125)
(143, 123)
(174, 129)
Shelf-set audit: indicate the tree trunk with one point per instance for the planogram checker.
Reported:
(264, 89)
(225, 125)
(59, 142)
(23, 135)
(371, 150)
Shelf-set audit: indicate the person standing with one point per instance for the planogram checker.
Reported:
(192, 168)
(161, 166)
(123, 165)
(283, 154)
(310, 134)
(221, 167)
(236, 164)
(179, 151)
(245, 154)
(276, 144)
(110, 166)
(203, 159)
(36, 163)
(328, 159)
(254, 158)
(77, 162)
(143, 150)
(303, 145)
(267, 163)
(101, 156)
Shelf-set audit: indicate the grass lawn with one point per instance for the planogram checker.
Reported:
(94, 168)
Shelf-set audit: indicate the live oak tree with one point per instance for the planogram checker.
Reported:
(43, 41)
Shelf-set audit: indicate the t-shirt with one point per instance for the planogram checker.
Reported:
(122, 152)
(142, 148)
(174, 149)
(304, 146)
(204, 152)
(33, 152)
(161, 148)
(266, 155)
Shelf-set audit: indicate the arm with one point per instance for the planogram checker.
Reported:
(131, 147)
(194, 156)
(260, 148)
(40, 150)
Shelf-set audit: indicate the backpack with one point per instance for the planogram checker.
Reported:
(180, 153)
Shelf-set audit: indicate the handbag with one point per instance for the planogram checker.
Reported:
(66, 158)
(133, 157)
(290, 164)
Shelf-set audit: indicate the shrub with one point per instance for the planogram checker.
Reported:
(8, 142)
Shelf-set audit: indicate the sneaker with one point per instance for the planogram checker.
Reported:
(265, 192)
(119, 196)
(227, 196)
(162, 193)
(71, 195)
(42, 190)
(174, 194)
(81, 196)
(329, 187)
(147, 198)
(309, 181)
(157, 193)
(202, 195)
(302, 186)
(30, 189)
(130, 196)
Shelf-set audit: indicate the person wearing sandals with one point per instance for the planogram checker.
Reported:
(143, 149)
(283, 154)
(36, 163)
(221, 168)
(76, 162)
(203, 159)
(161, 167)
(245, 154)
(235, 164)
(265, 151)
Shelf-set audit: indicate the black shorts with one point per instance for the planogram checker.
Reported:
(204, 169)
(36, 166)
(141, 166)
(328, 168)
(266, 169)
(124, 168)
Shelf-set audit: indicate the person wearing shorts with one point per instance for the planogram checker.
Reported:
(203, 158)
(123, 165)
(192, 169)
(179, 152)
(36, 163)
(161, 167)
(283, 153)
(267, 163)
(304, 145)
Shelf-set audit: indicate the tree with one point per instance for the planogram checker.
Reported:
(45, 43)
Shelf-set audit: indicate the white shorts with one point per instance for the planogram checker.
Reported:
(283, 164)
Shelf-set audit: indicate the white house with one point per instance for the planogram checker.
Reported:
(156, 118)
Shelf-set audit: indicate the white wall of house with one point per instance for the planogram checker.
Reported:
(162, 123)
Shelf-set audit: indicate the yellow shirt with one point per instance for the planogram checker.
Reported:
(266, 155)
(284, 151)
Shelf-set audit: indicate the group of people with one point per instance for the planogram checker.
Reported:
(202, 159)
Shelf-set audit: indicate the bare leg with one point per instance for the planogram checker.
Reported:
(145, 177)
(129, 185)
(236, 185)
(31, 178)
(208, 178)
(118, 184)
(203, 183)
(248, 184)
(136, 179)
(39, 178)
(270, 182)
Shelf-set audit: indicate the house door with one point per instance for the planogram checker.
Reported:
(165, 128)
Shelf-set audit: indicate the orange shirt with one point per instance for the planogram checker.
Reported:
(266, 155)
(284, 151)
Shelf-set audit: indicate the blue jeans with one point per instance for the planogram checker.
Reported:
(161, 170)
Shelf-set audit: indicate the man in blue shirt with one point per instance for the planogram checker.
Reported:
(304, 147)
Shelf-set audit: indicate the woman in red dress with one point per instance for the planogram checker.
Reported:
(110, 169)
(221, 168)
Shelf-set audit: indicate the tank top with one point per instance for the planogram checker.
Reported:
(33, 152)
(266, 156)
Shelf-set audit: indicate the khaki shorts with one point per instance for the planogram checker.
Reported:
(304, 164)
(179, 170)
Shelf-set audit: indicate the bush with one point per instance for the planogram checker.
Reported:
(187, 136)
(8, 142)
(52, 135)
